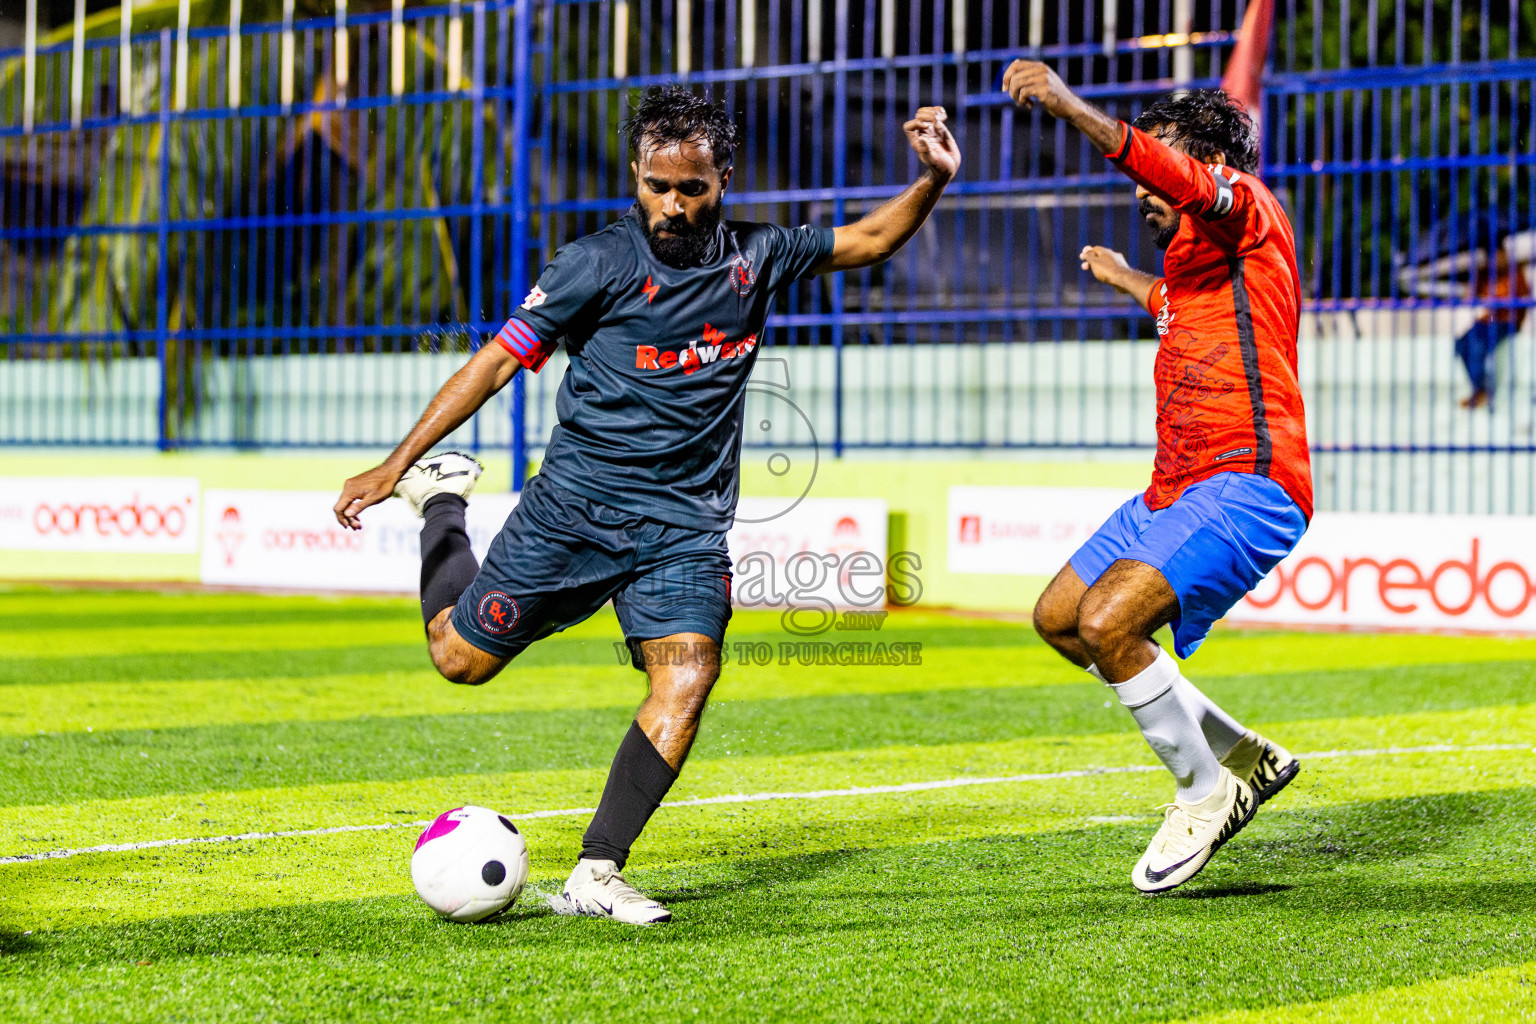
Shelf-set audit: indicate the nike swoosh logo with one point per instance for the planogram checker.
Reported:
(444, 476)
(582, 905)
(1157, 875)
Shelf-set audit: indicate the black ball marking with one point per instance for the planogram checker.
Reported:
(494, 873)
(510, 827)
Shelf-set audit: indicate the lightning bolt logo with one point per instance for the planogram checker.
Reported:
(650, 291)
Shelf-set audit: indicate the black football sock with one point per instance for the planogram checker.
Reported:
(448, 565)
(637, 783)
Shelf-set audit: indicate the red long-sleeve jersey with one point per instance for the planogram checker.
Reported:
(1228, 398)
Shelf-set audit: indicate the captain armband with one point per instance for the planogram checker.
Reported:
(1226, 197)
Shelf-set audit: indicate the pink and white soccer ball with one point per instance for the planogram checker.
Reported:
(470, 864)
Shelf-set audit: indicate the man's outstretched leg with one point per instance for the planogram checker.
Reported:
(1258, 761)
(437, 488)
(1107, 629)
(682, 670)
(1116, 619)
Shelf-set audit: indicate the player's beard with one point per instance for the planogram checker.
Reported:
(1162, 235)
(688, 243)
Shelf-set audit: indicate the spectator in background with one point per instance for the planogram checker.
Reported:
(1500, 279)
(1477, 265)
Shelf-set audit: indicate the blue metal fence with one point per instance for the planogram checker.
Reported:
(299, 243)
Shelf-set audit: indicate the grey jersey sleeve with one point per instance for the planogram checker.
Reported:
(795, 252)
(568, 289)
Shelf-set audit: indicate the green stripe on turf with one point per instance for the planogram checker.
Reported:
(1489, 997)
(301, 630)
(70, 767)
(103, 639)
(55, 707)
(82, 610)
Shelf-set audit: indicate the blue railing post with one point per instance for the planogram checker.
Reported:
(163, 239)
(477, 191)
(517, 263)
(839, 213)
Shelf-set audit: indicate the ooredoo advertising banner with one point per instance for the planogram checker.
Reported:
(1408, 571)
(1371, 570)
(290, 539)
(820, 551)
(149, 515)
(1024, 531)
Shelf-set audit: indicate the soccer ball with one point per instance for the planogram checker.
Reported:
(470, 864)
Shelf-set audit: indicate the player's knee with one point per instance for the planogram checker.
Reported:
(685, 693)
(1052, 625)
(458, 665)
(456, 669)
(1098, 626)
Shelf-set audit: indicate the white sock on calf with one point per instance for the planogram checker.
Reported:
(1170, 727)
(1222, 731)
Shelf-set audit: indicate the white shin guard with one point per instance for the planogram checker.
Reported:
(1222, 731)
(1171, 728)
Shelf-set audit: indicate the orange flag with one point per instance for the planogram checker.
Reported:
(1245, 68)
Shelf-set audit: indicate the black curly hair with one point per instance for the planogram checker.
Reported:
(671, 114)
(1204, 122)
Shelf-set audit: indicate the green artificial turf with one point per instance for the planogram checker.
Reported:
(1379, 887)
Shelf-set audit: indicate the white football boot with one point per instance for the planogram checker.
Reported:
(443, 473)
(1262, 763)
(1192, 833)
(596, 889)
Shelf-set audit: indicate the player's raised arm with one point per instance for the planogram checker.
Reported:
(877, 236)
(1194, 183)
(486, 373)
(1030, 82)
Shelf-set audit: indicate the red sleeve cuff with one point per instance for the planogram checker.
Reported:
(1155, 295)
(1125, 143)
(519, 339)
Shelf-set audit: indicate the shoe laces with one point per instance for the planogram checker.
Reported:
(618, 887)
(1178, 831)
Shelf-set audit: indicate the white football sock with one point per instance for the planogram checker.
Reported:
(1170, 728)
(1222, 731)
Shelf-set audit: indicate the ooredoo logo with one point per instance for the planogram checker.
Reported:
(497, 613)
(313, 541)
(136, 518)
(1403, 585)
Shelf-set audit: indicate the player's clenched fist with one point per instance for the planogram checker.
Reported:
(932, 142)
(362, 491)
(1029, 82)
(1104, 263)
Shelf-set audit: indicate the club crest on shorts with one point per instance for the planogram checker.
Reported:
(497, 613)
(742, 277)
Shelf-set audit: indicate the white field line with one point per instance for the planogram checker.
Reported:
(743, 798)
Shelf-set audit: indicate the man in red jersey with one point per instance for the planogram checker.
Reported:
(1231, 486)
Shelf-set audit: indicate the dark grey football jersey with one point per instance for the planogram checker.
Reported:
(650, 410)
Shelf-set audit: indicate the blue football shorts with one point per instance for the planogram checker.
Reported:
(1213, 545)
